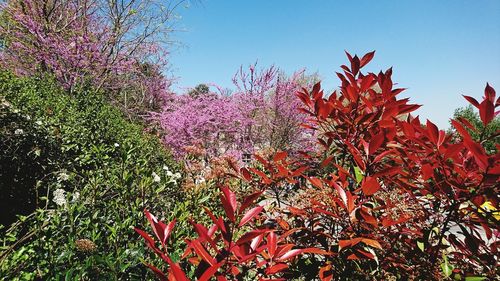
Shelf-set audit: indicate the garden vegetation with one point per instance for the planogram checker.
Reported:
(107, 174)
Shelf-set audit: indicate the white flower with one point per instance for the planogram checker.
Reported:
(63, 176)
(39, 123)
(156, 178)
(165, 167)
(76, 196)
(199, 180)
(59, 197)
(18, 131)
(177, 175)
(117, 145)
(169, 174)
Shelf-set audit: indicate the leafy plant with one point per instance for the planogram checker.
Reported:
(387, 197)
(100, 172)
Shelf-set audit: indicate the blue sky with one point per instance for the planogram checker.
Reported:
(438, 49)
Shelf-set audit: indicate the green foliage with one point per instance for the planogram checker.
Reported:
(93, 174)
(488, 136)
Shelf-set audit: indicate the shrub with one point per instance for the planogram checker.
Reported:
(387, 198)
(261, 114)
(97, 172)
(117, 46)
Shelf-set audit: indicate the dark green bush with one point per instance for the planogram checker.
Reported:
(105, 168)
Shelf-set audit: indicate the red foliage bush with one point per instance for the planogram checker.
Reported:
(386, 198)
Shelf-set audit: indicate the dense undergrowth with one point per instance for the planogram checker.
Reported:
(87, 172)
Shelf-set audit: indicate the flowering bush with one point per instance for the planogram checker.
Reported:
(386, 198)
(116, 46)
(77, 177)
(260, 114)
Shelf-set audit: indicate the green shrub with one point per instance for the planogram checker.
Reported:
(93, 173)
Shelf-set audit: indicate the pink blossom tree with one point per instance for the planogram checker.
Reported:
(119, 46)
(261, 114)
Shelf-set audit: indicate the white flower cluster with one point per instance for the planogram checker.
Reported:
(156, 178)
(63, 176)
(171, 177)
(59, 197)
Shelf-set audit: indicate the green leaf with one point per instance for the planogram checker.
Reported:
(204, 199)
(359, 174)
(446, 267)
(475, 278)
(420, 245)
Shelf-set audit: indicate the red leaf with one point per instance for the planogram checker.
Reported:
(356, 155)
(366, 58)
(161, 230)
(371, 242)
(249, 200)
(472, 101)
(486, 111)
(250, 235)
(169, 228)
(478, 152)
(177, 272)
(295, 252)
(325, 273)
(368, 218)
(341, 193)
(427, 172)
(246, 174)
(271, 243)
(325, 162)
(352, 257)
(149, 241)
(250, 214)
(228, 199)
(370, 186)
(461, 130)
(489, 93)
(350, 201)
(376, 142)
(348, 242)
(432, 132)
(232, 164)
(355, 65)
(265, 179)
(256, 241)
(290, 254)
(316, 182)
(316, 89)
(280, 156)
(211, 271)
(304, 97)
(366, 83)
(200, 250)
(158, 272)
(276, 268)
(403, 109)
(261, 160)
(203, 233)
(299, 171)
(216, 221)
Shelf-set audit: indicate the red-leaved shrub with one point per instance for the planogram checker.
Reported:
(387, 197)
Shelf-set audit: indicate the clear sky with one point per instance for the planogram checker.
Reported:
(438, 49)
